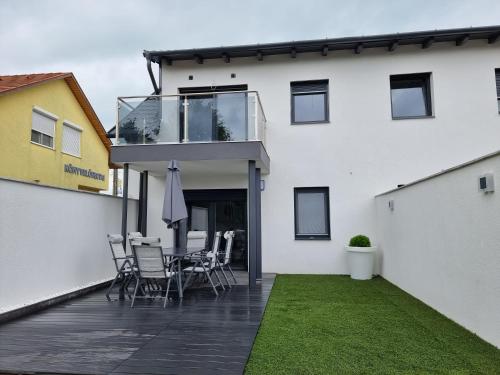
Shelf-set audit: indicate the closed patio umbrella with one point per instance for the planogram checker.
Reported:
(174, 206)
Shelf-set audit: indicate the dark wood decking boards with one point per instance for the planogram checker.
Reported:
(203, 334)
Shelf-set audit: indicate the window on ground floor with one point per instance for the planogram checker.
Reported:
(309, 102)
(411, 95)
(43, 127)
(312, 213)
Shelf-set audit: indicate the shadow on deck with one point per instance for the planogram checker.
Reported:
(203, 334)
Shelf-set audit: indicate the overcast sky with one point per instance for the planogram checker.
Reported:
(101, 42)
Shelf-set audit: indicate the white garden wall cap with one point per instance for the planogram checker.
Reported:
(444, 171)
(356, 249)
(389, 41)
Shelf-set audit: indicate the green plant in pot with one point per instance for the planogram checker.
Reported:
(360, 257)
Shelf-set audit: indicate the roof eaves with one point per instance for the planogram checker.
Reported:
(491, 33)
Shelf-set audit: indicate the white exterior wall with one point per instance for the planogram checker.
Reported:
(362, 151)
(53, 241)
(442, 245)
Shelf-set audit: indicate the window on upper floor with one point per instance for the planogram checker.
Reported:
(411, 95)
(71, 139)
(43, 127)
(309, 102)
(312, 213)
(497, 78)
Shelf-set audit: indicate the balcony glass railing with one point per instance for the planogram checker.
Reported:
(203, 117)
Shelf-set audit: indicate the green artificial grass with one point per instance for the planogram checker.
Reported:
(335, 325)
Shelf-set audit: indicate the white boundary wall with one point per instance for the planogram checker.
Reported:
(442, 245)
(53, 241)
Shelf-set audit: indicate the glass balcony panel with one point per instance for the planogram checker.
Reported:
(231, 117)
(252, 100)
(170, 120)
(200, 119)
(218, 117)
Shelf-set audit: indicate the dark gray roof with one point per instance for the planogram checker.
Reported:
(390, 41)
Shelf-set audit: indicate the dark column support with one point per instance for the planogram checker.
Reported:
(144, 227)
(258, 225)
(252, 225)
(141, 199)
(125, 205)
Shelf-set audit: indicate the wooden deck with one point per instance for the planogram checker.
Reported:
(203, 334)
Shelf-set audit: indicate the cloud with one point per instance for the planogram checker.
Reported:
(102, 41)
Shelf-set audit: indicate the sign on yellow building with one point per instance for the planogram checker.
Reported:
(49, 133)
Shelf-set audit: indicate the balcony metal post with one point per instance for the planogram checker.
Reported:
(186, 114)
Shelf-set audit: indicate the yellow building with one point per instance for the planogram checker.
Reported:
(49, 133)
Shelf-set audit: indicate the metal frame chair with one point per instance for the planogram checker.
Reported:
(206, 264)
(132, 238)
(151, 267)
(123, 264)
(226, 256)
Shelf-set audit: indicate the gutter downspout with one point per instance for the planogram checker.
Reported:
(150, 71)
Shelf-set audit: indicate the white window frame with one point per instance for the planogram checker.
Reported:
(49, 115)
(77, 128)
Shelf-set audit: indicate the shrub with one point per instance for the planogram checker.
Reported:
(360, 241)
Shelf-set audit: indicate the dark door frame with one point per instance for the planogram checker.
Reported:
(218, 195)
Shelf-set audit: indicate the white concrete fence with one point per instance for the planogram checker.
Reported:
(441, 243)
(53, 241)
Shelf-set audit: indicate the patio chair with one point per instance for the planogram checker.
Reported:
(197, 238)
(151, 267)
(136, 238)
(132, 236)
(123, 264)
(206, 265)
(226, 256)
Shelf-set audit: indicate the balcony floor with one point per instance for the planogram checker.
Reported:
(89, 335)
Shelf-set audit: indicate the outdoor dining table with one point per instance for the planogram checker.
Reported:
(177, 254)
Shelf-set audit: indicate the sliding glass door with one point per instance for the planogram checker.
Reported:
(214, 117)
(220, 210)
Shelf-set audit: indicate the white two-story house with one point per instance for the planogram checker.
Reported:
(288, 143)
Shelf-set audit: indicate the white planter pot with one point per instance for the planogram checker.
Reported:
(361, 262)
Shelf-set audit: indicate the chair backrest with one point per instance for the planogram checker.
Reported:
(136, 238)
(229, 236)
(149, 261)
(132, 238)
(117, 250)
(214, 253)
(150, 241)
(197, 238)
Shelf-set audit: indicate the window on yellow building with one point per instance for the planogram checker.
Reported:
(71, 139)
(43, 126)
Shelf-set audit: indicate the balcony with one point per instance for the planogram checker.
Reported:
(201, 129)
(203, 117)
